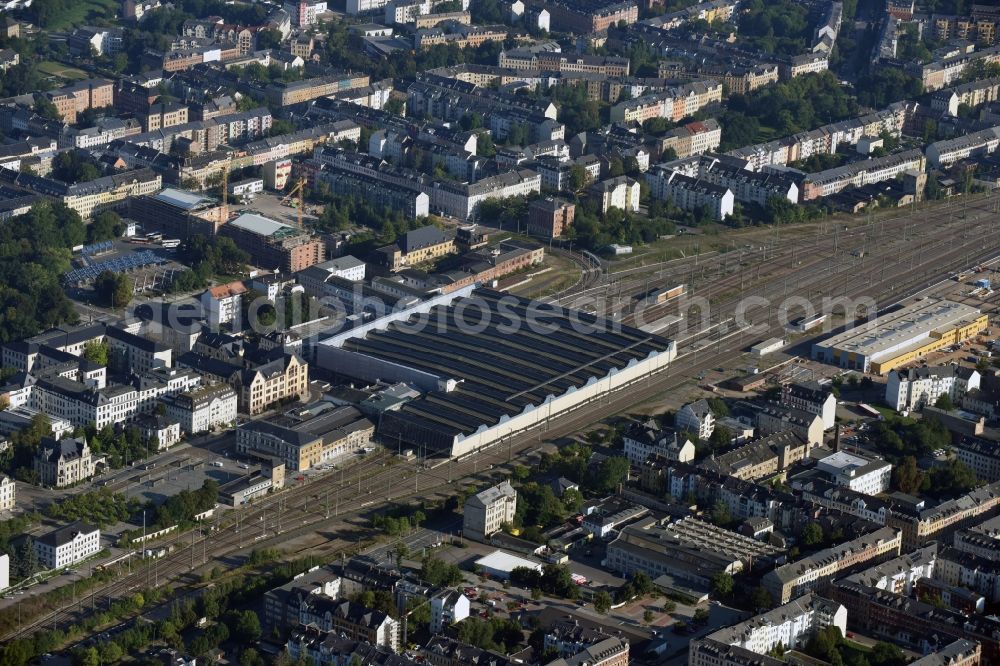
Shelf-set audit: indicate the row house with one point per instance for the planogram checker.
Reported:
(675, 104)
(859, 174)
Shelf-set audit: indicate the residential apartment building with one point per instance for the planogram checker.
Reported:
(8, 494)
(674, 104)
(281, 379)
(586, 16)
(297, 92)
(900, 575)
(861, 474)
(760, 458)
(924, 524)
(82, 403)
(697, 418)
(79, 96)
(947, 152)
(817, 570)
(861, 173)
(462, 200)
(970, 571)
(485, 512)
(972, 94)
(736, 174)
(912, 622)
(701, 136)
(67, 545)
(379, 194)
(460, 35)
(775, 419)
(612, 651)
(223, 304)
(90, 197)
(691, 194)
(981, 455)
(416, 247)
(791, 626)
(22, 354)
(64, 462)
(350, 619)
(642, 440)
(538, 58)
(159, 432)
(914, 388)
(811, 397)
(163, 115)
(550, 217)
(203, 409)
(448, 607)
(135, 354)
(621, 193)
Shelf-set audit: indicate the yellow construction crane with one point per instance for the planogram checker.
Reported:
(299, 188)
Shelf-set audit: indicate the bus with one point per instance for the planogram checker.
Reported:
(170, 242)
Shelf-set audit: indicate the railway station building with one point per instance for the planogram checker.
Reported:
(491, 365)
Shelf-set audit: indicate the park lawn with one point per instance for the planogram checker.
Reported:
(83, 12)
(60, 70)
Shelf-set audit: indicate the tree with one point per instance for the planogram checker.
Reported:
(107, 225)
(721, 437)
(648, 616)
(906, 477)
(610, 474)
(45, 108)
(722, 584)
(812, 535)
(400, 550)
(948, 480)
(111, 652)
(720, 514)
(247, 629)
(701, 615)
(944, 402)
(825, 643)
(268, 39)
(96, 352)
(718, 407)
(760, 599)
(27, 559)
(280, 126)
(115, 289)
(887, 654)
(90, 657)
(437, 572)
(250, 657)
(602, 602)
(579, 177)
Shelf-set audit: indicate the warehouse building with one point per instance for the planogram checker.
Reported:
(689, 550)
(896, 338)
(491, 365)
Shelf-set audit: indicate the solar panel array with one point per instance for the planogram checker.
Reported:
(124, 264)
(97, 248)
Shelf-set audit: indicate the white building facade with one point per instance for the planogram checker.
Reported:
(67, 545)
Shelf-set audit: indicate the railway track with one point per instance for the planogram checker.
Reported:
(372, 481)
